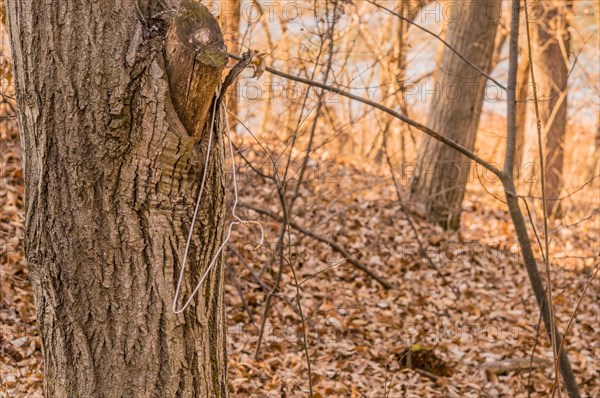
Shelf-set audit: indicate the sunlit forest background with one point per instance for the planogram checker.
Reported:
(459, 319)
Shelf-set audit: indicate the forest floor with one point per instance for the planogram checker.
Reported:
(422, 338)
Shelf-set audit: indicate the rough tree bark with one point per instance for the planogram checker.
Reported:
(440, 175)
(114, 105)
(551, 63)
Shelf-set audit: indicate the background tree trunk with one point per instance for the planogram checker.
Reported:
(114, 124)
(230, 20)
(551, 63)
(392, 77)
(594, 169)
(441, 174)
(523, 99)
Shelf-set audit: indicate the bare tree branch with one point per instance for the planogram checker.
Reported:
(471, 64)
(397, 115)
(337, 248)
(515, 211)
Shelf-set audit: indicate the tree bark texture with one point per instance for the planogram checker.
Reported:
(441, 174)
(115, 102)
(551, 64)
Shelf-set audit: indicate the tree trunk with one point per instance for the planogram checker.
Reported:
(230, 18)
(523, 100)
(551, 63)
(392, 77)
(443, 34)
(594, 170)
(441, 174)
(115, 105)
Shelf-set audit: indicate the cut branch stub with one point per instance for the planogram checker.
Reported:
(195, 55)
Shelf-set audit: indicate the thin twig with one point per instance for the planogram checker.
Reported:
(535, 232)
(567, 195)
(516, 214)
(562, 342)
(240, 291)
(433, 134)
(319, 238)
(304, 331)
(535, 343)
(408, 218)
(543, 186)
(247, 266)
(444, 42)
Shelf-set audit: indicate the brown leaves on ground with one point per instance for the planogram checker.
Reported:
(20, 351)
(416, 340)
